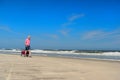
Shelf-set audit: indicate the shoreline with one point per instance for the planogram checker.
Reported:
(91, 59)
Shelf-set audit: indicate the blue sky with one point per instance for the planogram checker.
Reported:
(60, 24)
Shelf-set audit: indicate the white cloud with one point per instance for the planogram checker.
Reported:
(74, 17)
(9, 30)
(54, 36)
(92, 34)
(5, 28)
(97, 35)
(70, 22)
(71, 19)
(65, 32)
(67, 24)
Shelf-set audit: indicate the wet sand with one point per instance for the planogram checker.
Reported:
(15, 67)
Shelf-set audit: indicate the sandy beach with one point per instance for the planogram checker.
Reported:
(15, 67)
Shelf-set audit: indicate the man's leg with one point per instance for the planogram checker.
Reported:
(26, 48)
(30, 53)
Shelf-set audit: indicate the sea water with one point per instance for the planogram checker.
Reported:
(83, 54)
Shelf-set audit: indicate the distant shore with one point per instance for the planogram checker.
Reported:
(15, 67)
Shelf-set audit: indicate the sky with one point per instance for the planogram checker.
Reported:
(60, 24)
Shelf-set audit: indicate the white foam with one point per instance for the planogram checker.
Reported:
(64, 52)
(12, 50)
(111, 53)
(57, 52)
(73, 52)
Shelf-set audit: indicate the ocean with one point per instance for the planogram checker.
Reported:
(113, 55)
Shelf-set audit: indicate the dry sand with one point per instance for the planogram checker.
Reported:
(15, 67)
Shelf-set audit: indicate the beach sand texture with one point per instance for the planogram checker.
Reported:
(15, 67)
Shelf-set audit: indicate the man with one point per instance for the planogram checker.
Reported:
(27, 46)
